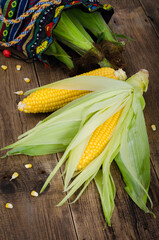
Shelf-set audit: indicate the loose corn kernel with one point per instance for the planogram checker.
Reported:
(19, 92)
(153, 127)
(27, 80)
(34, 194)
(18, 67)
(29, 165)
(98, 141)
(14, 175)
(4, 67)
(9, 205)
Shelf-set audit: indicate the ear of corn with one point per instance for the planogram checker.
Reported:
(55, 132)
(58, 129)
(95, 23)
(67, 31)
(137, 186)
(49, 99)
(98, 141)
(128, 143)
(107, 72)
(76, 38)
(59, 53)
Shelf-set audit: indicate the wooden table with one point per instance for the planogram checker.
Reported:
(39, 218)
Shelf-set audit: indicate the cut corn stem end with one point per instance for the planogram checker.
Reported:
(49, 99)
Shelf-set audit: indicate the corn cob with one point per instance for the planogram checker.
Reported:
(98, 141)
(107, 72)
(48, 99)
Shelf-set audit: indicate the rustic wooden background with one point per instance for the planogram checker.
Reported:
(39, 218)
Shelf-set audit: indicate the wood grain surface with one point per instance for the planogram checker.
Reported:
(39, 218)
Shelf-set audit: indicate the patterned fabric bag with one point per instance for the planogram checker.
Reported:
(28, 24)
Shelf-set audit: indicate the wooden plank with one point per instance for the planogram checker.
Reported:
(31, 218)
(152, 12)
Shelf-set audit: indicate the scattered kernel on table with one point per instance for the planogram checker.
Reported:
(34, 194)
(14, 175)
(9, 205)
(4, 67)
(27, 80)
(19, 92)
(18, 67)
(29, 165)
(153, 127)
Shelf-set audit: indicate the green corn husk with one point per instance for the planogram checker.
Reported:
(59, 53)
(128, 145)
(59, 128)
(78, 25)
(72, 34)
(95, 23)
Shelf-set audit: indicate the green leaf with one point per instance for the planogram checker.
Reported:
(123, 36)
(95, 23)
(91, 83)
(100, 38)
(134, 158)
(106, 189)
(59, 53)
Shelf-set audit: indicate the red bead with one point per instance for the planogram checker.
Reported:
(6, 53)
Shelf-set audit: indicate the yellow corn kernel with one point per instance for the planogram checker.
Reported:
(29, 165)
(4, 67)
(153, 127)
(98, 141)
(18, 67)
(14, 175)
(27, 80)
(19, 92)
(9, 205)
(34, 194)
